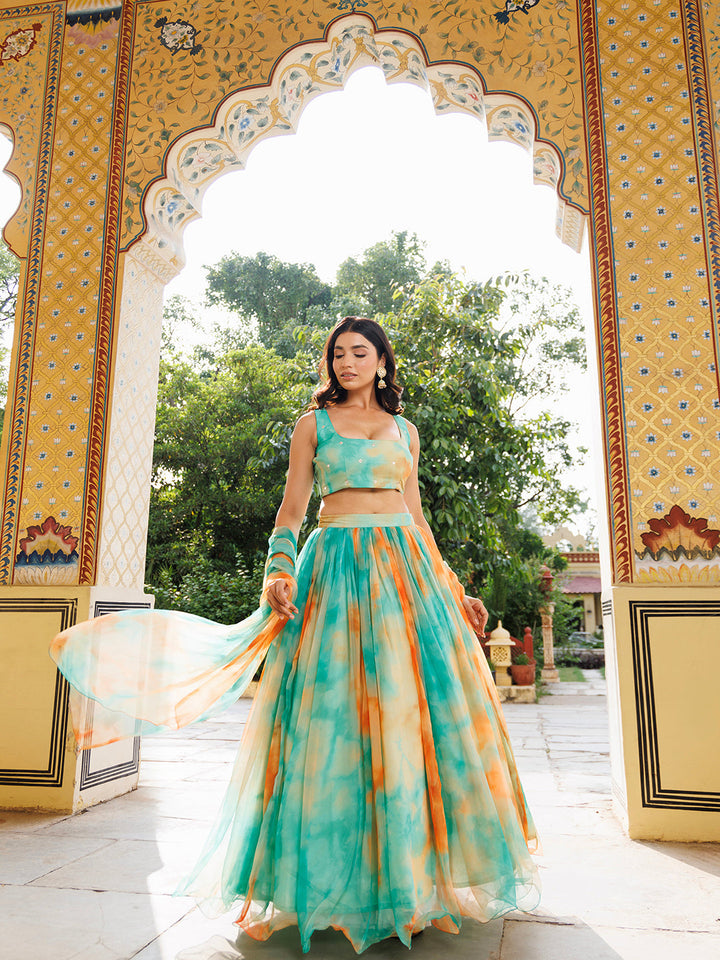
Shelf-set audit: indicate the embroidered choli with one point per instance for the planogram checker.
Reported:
(343, 463)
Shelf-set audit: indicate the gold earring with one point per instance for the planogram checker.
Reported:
(381, 372)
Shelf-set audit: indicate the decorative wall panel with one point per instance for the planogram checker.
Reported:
(124, 519)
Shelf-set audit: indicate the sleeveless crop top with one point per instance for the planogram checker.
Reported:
(343, 463)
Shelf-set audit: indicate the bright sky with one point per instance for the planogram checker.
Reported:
(372, 159)
(369, 160)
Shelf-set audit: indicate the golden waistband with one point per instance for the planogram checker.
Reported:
(366, 520)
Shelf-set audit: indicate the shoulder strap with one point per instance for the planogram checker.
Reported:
(323, 425)
(403, 429)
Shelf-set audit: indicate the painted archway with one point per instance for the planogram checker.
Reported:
(141, 105)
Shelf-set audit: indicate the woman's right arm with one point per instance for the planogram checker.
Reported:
(298, 488)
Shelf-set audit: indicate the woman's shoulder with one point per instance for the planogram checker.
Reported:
(305, 427)
(408, 423)
(411, 431)
(305, 419)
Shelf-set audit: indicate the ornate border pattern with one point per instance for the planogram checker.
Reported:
(109, 283)
(701, 100)
(52, 775)
(654, 794)
(25, 351)
(247, 116)
(606, 304)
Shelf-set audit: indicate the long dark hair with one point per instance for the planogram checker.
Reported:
(331, 391)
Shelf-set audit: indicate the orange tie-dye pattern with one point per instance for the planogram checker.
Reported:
(375, 789)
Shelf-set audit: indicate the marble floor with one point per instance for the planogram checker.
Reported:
(97, 886)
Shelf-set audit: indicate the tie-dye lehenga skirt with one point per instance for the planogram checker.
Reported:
(375, 788)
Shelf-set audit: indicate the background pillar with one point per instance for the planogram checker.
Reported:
(649, 94)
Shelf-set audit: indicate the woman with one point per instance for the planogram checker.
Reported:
(375, 789)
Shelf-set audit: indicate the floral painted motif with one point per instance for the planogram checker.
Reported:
(679, 549)
(19, 43)
(678, 534)
(534, 57)
(545, 168)
(351, 5)
(202, 160)
(177, 35)
(249, 116)
(48, 554)
(21, 109)
(511, 123)
(514, 6)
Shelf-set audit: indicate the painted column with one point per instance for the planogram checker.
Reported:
(63, 80)
(655, 221)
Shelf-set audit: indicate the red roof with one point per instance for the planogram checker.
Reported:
(582, 585)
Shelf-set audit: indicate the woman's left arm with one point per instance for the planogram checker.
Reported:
(474, 607)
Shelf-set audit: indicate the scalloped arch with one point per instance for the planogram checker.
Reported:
(246, 117)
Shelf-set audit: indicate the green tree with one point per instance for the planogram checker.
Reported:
(480, 463)
(209, 497)
(269, 292)
(372, 280)
(514, 595)
(546, 323)
(274, 300)
(9, 274)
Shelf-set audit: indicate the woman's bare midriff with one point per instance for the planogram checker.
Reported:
(362, 500)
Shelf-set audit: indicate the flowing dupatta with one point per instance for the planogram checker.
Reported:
(154, 670)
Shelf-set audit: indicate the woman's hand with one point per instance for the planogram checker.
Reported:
(477, 614)
(279, 595)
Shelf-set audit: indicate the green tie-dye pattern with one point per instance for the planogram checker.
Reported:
(375, 789)
(346, 463)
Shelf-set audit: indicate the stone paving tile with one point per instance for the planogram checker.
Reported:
(230, 732)
(222, 752)
(176, 750)
(547, 941)
(38, 923)
(124, 866)
(11, 820)
(141, 823)
(156, 772)
(615, 882)
(28, 856)
(701, 856)
(476, 941)
(186, 801)
(595, 820)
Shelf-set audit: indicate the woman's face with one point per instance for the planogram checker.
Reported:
(355, 361)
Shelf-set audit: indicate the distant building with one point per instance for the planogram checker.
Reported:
(582, 577)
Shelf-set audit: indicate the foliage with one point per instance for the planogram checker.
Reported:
(224, 596)
(209, 499)
(480, 464)
(274, 299)
(277, 296)
(384, 267)
(8, 285)
(547, 326)
(514, 595)
(178, 319)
